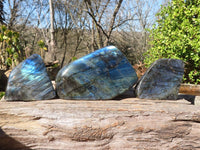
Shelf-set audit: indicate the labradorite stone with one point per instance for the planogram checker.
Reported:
(103, 74)
(162, 80)
(29, 81)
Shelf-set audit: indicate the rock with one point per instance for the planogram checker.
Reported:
(162, 80)
(3, 80)
(103, 74)
(29, 81)
(130, 124)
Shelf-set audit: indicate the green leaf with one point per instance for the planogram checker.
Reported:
(177, 35)
(15, 56)
(9, 50)
(74, 58)
(8, 61)
(10, 47)
(5, 37)
(3, 28)
(9, 34)
(41, 44)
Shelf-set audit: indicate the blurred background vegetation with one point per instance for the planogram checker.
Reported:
(62, 31)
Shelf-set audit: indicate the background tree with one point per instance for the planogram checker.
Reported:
(105, 19)
(2, 17)
(81, 27)
(176, 35)
(52, 55)
(132, 37)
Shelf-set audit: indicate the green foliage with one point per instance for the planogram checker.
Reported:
(74, 58)
(55, 65)
(11, 50)
(176, 34)
(2, 94)
(43, 47)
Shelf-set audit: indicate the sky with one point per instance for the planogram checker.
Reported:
(28, 7)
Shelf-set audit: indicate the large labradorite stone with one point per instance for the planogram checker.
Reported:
(162, 80)
(103, 74)
(29, 81)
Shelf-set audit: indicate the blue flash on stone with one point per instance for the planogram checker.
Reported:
(103, 74)
(30, 81)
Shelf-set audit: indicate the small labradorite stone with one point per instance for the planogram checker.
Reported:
(162, 80)
(29, 81)
(103, 74)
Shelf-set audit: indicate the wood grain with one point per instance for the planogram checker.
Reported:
(128, 123)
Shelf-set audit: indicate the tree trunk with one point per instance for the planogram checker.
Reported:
(129, 123)
(50, 55)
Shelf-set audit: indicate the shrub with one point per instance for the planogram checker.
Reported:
(11, 51)
(176, 34)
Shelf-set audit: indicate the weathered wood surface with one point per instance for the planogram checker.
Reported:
(129, 123)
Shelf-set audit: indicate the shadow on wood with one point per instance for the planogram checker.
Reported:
(8, 143)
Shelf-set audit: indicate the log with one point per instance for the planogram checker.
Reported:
(128, 123)
(191, 89)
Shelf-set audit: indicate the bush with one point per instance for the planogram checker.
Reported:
(176, 34)
(11, 51)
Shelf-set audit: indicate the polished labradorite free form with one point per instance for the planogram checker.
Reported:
(162, 80)
(29, 81)
(103, 74)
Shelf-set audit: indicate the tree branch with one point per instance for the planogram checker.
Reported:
(113, 20)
